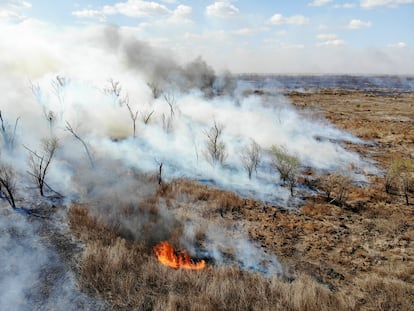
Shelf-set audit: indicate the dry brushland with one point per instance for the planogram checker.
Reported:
(353, 252)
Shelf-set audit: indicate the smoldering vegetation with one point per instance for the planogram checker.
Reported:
(109, 122)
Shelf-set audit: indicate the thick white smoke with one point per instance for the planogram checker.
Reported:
(100, 82)
(77, 89)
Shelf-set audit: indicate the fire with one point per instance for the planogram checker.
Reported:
(166, 255)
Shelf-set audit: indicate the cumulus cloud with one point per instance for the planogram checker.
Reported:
(319, 2)
(222, 9)
(248, 31)
(130, 8)
(329, 39)
(391, 3)
(279, 19)
(182, 14)
(138, 8)
(13, 10)
(17, 4)
(346, 5)
(336, 42)
(399, 45)
(359, 24)
(89, 14)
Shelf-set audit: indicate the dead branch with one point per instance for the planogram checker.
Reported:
(85, 146)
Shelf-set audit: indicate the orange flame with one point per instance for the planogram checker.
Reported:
(165, 254)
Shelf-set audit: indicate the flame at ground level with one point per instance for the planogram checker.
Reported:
(165, 254)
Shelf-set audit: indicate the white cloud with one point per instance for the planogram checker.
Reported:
(8, 15)
(138, 8)
(329, 39)
(336, 42)
(130, 8)
(222, 9)
(390, 3)
(88, 14)
(358, 24)
(319, 2)
(399, 45)
(182, 14)
(279, 19)
(15, 4)
(13, 10)
(327, 36)
(249, 31)
(344, 6)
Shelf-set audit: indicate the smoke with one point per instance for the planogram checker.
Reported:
(32, 276)
(131, 108)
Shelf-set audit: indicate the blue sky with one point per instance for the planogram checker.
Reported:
(313, 36)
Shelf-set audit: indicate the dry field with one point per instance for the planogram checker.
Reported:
(359, 256)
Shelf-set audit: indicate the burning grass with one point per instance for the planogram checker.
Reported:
(166, 255)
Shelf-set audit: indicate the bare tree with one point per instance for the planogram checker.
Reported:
(286, 164)
(146, 116)
(170, 99)
(58, 86)
(49, 114)
(133, 115)
(8, 135)
(215, 147)
(39, 163)
(251, 157)
(85, 146)
(336, 187)
(8, 184)
(159, 175)
(114, 89)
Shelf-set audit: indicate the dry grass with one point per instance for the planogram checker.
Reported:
(356, 257)
(129, 277)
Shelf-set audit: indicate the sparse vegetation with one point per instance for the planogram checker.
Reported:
(336, 188)
(133, 115)
(215, 147)
(400, 178)
(146, 116)
(286, 164)
(39, 162)
(251, 158)
(8, 184)
(71, 130)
